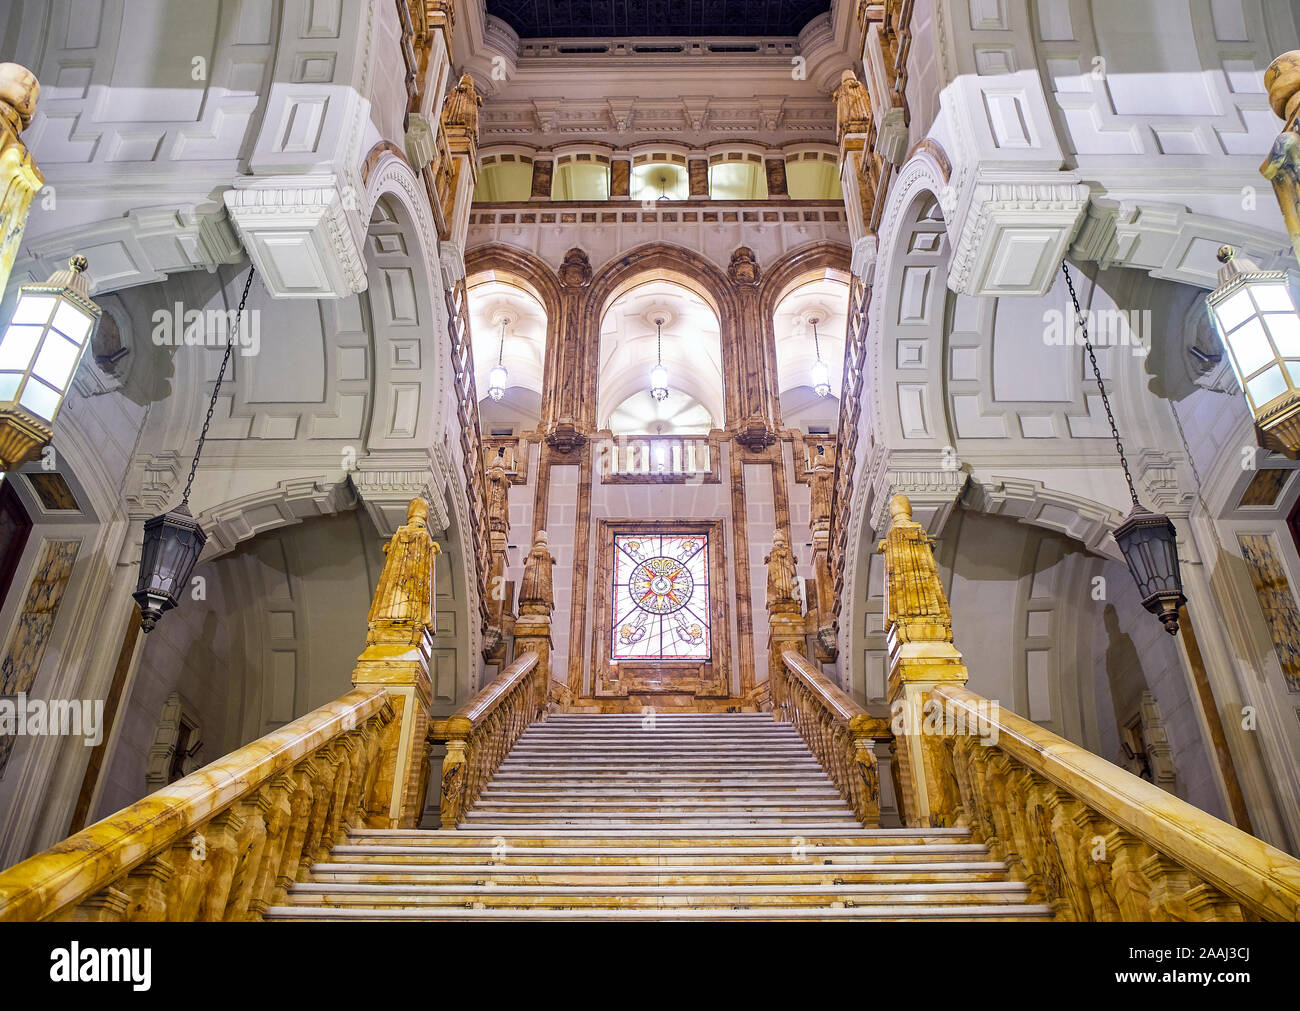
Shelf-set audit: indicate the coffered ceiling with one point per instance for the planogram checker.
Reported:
(594, 19)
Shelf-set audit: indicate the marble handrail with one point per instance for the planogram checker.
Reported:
(223, 843)
(840, 733)
(481, 733)
(1093, 840)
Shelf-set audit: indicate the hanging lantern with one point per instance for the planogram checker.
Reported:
(1147, 540)
(659, 374)
(1254, 312)
(498, 377)
(821, 373)
(172, 543)
(1150, 547)
(51, 326)
(174, 540)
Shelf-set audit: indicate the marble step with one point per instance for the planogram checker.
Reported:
(631, 800)
(687, 785)
(580, 792)
(311, 893)
(507, 876)
(997, 912)
(935, 854)
(855, 836)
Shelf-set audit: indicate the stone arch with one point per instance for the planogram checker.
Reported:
(534, 275)
(778, 279)
(673, 263)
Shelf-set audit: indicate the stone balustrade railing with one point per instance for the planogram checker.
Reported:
(479, 735)
(652, 459)
(1090, 838)
(225, 842)
(838, 731)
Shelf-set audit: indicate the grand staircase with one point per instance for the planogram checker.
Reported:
(688, 817)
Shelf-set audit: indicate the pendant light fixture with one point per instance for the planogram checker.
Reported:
(52, 323)
(1255, 314)
(498, 377)
(1147, 540)
(821, 374)
(174, 540)
(659, 374)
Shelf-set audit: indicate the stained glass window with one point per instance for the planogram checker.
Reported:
(661, 597)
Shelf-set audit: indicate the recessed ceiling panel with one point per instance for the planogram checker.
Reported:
(599, 19)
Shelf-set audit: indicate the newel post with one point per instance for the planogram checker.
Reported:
(533, 626)
(20, 179)
(784, 619)
(396, 657)
(918, 632)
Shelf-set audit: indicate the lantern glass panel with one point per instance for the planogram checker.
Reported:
(40, 399)
(1284, 328)
(9, 382)
(1250, 346)
(57, 361)
(34, 309)
(1273, 298)
(659, 377)
(1234, 310)
(18, 347)
(72, 322)
(1267, 385)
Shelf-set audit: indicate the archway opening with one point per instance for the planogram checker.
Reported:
(630, 347)
(809, 391)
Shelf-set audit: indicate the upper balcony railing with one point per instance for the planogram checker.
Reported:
(658, 459)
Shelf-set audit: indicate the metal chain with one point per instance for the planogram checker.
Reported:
(660, 353)
(817, 344)
(1096, 371)
(501, 348)
(221, 375)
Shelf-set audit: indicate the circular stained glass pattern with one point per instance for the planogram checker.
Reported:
(661, 585)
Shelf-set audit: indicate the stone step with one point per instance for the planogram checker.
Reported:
(507, 876)
(631, 801)
(579, 792)
(995, 912)
(856, 836)
(936, 854)
(668, 815)
(490, 821)
(312, 893)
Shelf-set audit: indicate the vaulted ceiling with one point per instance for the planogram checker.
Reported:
(594, 19)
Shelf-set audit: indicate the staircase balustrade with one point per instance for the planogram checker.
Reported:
(838, 731)
(480, 734)
(1090, 839)
(225, 842)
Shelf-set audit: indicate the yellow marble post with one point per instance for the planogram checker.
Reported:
(533, 626)
(20, 179)
(918, 630)
(1282, 168)
(396, 658)
(784, 617)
